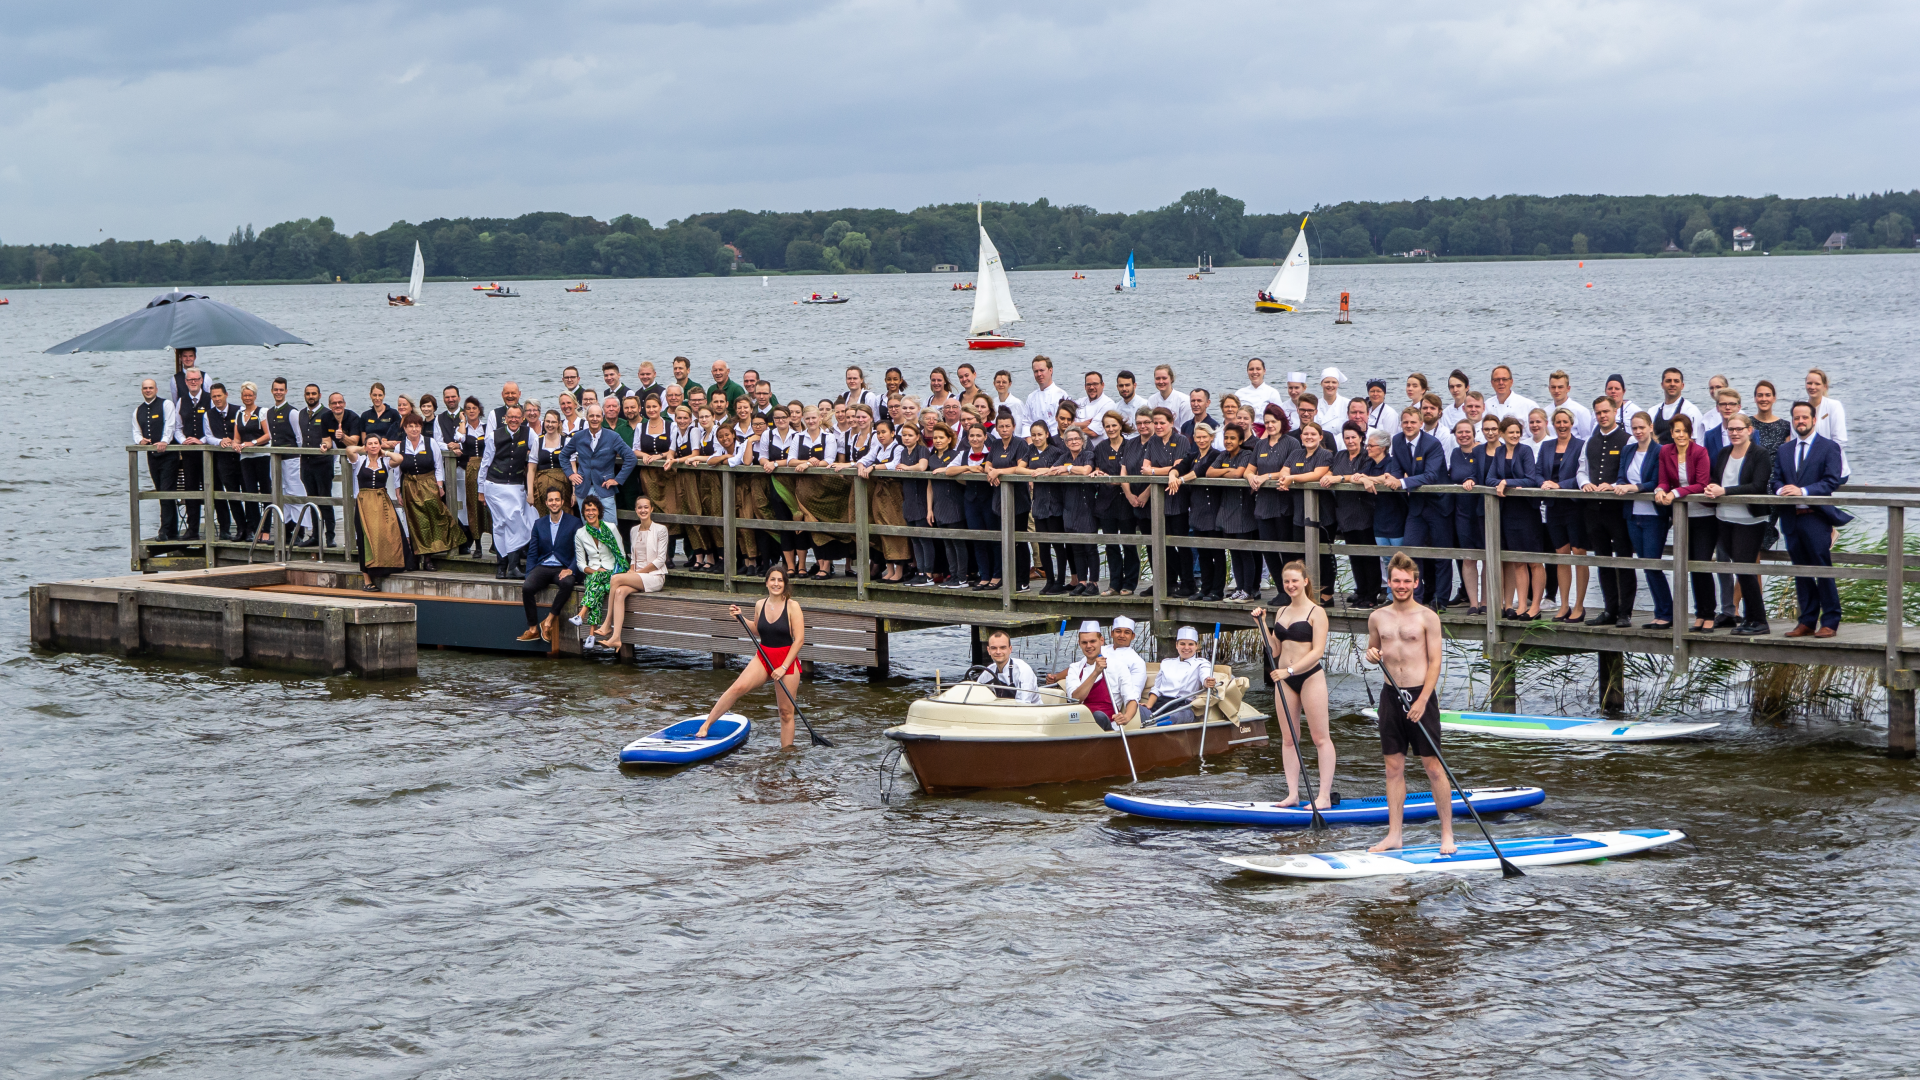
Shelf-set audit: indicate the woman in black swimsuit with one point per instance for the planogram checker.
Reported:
(1298, 639)
(782, 629)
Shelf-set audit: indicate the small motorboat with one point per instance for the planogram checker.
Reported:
(963, 286)
(836, 298)
(501, 290)
(963, 738)
(487, 286)
(582, 287)
(1193, 277)
(1077, 276)
(4, 301)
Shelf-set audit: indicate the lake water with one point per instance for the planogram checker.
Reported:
(221, 872)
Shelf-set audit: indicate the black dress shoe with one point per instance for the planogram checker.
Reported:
(500, 569)
(1752, 629)
(1722, 622)
(1604, 618)
(1624, 622)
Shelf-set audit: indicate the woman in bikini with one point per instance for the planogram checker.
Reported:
(1298, 639)
(782, 629)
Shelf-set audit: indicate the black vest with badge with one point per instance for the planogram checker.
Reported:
(509, 456)
(193, 416)
(151, 416)
(222, 423)
(283, 421)
(371, 478)
(251, 424)
(1603, 455)
(417, 462)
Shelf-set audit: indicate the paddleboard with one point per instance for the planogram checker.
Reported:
(1426, 858)
(1570, 728)
(675, 744)
(1364, 811)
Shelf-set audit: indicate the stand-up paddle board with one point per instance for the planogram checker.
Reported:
(675, 744)
(1522, 851)
(1364, 811)
(1570, 728)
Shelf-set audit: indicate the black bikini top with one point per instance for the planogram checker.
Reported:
(1294, 631)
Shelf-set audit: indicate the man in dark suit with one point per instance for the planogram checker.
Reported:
(1607, 518)
(598, 462)
(1414, 460)
(550, 561)
(1809, 465)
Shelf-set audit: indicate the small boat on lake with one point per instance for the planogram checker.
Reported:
(486, 287)
(1289, 288)
(993, 300)
(966, 286)
(964, 738)
(414, 282)
(582, 287)
(501, 290)
(835, 298)
(1127, 278)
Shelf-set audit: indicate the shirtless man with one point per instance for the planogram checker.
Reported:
(1404, 639)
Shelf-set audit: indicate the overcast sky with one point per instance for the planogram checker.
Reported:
(139, 120)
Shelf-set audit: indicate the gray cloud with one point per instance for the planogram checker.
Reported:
(127, 120)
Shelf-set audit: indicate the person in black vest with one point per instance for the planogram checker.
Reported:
(316, 470)
(285, 427)
(256, 469)
(223, 429)
(503, 483)
(190, 429)
(175, 385)
(381, 419)
(1009, 455)
(1606, 519)
(153, 426)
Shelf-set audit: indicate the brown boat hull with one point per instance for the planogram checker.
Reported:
(945, 766)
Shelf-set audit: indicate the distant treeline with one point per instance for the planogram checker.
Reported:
(1028, 234)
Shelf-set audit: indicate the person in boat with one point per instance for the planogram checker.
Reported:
(781, 629)
(1097, 682)
(1298, 641)
(1404, 638)
(1133, 669)
(1185, 676)
(1011, 677)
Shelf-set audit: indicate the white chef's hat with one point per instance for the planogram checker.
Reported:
(1334, 373)
(1090, 626)
(1121, 622)
(1297, 376)
(1187, 633)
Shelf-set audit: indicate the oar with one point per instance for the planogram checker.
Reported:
(1206, 706)
(781, 687)
(1507, 869)
(1280, 695)
(1122, 728)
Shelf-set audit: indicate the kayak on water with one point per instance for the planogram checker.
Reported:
(1580, 729)
(1371, 810)
(675, 744)
(1426, 858)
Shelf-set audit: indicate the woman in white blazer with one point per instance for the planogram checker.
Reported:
(647, 570)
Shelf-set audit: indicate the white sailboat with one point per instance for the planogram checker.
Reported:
(992, 299)
(1127, 280)
(417, 279)
(1289, 288)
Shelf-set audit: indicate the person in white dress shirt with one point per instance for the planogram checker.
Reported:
(1673, 383)
(1043, 405)
(1829, 417)
(1010, 677)
(1183, 677)
(1166, 396)
(1560, 389)
(1097, 679)
(1003, 399)
(1503, 402)
(1127, 392)
(1332, 402)
(1258, 394)
(1095, 404)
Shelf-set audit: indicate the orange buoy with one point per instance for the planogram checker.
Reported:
(1345, 317)
(1589, 284)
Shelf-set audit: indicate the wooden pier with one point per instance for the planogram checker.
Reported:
(873, 609)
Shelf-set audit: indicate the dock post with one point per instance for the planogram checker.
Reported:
(233, 631)
(1900, 711)
(1157, 513)
(977, 645)
(1310, 552)
(127, 621)
(1613, 681)
(206, 503)
(280, 510)
(883, 668)
(1502, 696)
(1493, 580)
(863, 538)
(1681, 586)
(133, 507)
(1006, 551)
(1900, 682)
(730, 536)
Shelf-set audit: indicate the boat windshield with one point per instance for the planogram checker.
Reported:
(977, 693)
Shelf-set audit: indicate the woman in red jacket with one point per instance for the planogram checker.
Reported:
(1686, 469)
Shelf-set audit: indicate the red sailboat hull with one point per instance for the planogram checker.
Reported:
(995, 343)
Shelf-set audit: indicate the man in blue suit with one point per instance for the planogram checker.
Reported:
(1809, 464)
(550, 561)
(598, 462)
(1414, 460)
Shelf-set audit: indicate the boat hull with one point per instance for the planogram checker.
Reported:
(1268, 307)
(946, 765)
(995, 343)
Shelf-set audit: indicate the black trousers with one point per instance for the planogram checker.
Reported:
(1277, 528)
(226, 477)
(1810, 543)
(1246, 566)
(316, 475)
(164, 471)
(926, 554)
(956, 551)
(1607, 535)
(1703, 536)
(538, 578)
(1123, 560)
(1179, 559)
(1213, 566)
(191, 478)
(256, 478)
(1053, 557)
(1743, 546)
(1366, 568)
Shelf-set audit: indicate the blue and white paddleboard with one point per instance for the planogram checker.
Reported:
(1569, 728)
(675, 744)
(1426, 858)
(1371, 810)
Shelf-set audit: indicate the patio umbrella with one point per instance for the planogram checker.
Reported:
(179, 320)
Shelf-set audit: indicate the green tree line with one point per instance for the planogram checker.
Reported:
(1035, 234)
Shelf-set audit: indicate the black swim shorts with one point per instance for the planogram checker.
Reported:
(1398, 734)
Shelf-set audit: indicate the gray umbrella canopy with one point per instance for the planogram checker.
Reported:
(179, 320)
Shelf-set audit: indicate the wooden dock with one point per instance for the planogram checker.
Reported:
(865, 611)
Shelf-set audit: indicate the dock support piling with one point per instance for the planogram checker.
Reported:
(1900, 714)
(863, 538)
(1613, 680)
(977, 645)
(730, 537)
(883, 670)
(1501, 694)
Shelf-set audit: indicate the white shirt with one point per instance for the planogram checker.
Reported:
(1516, 405)
(1630, 474)
(1178, 401)
(878, 454)
(593, 555)
(876, 402)
(1334, 411)
(1078, 671)
(1830, 421)
(1131, 667)
(771, 440)
(1093, 412)
(1018, 674)
(1254, 401)
(415, 446)
(1180, 678)
(170, 423)
(1043, 405)
(829, 442)
(1021, 419)
(1582, 418)
(1682, 407)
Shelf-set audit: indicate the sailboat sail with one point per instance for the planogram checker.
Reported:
(992, 299)
(1126, 278)
(419, 273)
(1290, 284)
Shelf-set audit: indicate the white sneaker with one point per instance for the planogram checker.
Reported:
(1237, 594)
(587, 644)
(576, 620)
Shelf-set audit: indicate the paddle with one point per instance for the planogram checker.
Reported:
(1121, 727)
(818, 739)
(1280, 695)
(1206, 706)
(1507, 869)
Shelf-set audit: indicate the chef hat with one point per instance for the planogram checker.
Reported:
(1091, 626)
(1297, 376)
(1187, 633)
(1621, 379)
(1121, 622)
(1381, 383)
(1333, 373)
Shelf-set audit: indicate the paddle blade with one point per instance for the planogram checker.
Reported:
(1508, 870)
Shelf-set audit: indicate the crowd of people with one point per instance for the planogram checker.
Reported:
(542, 489)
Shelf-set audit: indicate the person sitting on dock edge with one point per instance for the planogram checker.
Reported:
(550, 561)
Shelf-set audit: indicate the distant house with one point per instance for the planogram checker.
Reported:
(945, 268)
(1742, 239)
(1835, 242)
(735, 252)
(1416, 253)
(1671, 246)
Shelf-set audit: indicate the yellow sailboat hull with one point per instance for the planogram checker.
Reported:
(1271, 306)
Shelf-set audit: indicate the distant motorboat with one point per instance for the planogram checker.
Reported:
(836, 298)
(501, 290)
(4, 300)
(582, 287)
(1077, 276)
(1289, 288)
(487, 287)
(414, 282)
(963, 287)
